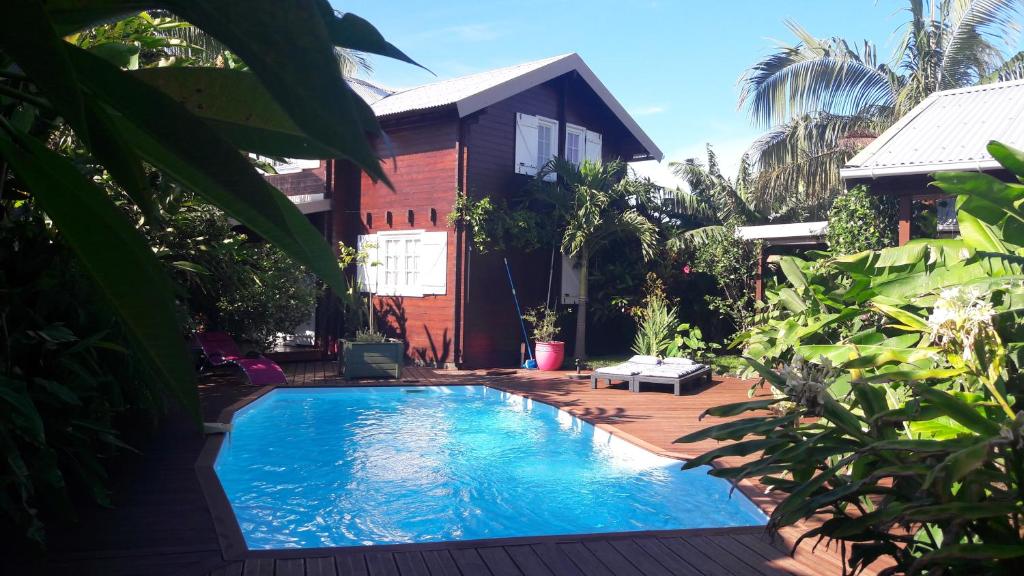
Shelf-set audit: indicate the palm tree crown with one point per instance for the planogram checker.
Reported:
(822, 98)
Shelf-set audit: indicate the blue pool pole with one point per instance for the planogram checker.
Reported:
(531, 363)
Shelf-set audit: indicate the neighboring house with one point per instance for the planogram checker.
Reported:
(946, 132)
(486, 134)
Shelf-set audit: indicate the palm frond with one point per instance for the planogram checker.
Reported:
(814, 75)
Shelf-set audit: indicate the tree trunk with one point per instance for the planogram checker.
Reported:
(581, 309)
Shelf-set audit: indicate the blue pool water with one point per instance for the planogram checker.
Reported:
(309, 468)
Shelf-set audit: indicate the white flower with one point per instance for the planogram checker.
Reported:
(960, 316)
(807, 384)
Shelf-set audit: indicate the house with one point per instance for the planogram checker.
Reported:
(486, 134)
(948, 131)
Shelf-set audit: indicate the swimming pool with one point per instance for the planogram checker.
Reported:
(320, 467)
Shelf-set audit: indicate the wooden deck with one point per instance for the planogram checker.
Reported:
(161, 523)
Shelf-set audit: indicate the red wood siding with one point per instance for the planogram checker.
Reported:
(424, 177)
(492, 331)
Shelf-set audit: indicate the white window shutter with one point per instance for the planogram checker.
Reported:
(433, 262)
(570, 280)
(366, 273)
(526, 144)
(593, 147)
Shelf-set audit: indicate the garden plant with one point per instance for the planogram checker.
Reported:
(896, 417)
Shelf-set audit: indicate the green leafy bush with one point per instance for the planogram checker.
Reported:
(861, 221)
(897, 413)
(656, 324)
(544, 321)
(689, 343)
(733, 264)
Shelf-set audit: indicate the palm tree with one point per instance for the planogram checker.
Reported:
(823, 98)
(592, 204)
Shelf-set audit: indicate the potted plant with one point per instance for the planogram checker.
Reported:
(368, 353)
(548, 352)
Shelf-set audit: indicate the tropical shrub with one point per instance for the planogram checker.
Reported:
(861, 221)
(93, 102)
(656, 323)
(689, 343)
(902, 428)
(733, 264)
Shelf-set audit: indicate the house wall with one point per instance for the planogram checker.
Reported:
(492, 333)
(420, 160)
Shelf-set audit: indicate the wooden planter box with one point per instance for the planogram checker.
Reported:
(372, 359)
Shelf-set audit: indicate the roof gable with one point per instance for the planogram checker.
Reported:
(469, 94)
(949, 130)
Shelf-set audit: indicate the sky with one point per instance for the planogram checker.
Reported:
(673, 64)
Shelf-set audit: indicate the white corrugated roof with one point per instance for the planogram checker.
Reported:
(796, 233)
(368, 91)
(477, 91)
(948, 131)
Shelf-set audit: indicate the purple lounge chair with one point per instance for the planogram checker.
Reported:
(220, 349)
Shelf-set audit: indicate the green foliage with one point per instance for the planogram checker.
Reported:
(368, 336)
(92, 100)
(494, 226)
(544, 321)
(733, 264)
(689, 343)
(656, 322)
(861, 221)
(66, 378)
(897, 414)
(823, 98)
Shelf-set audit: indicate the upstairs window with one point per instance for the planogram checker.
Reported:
(574, 143)
(537, 144)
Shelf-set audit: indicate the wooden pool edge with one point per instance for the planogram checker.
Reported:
(234, 548)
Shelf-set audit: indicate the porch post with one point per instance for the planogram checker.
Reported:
(905, 214)
(762, 263)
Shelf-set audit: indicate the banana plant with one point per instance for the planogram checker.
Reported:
(902, 424)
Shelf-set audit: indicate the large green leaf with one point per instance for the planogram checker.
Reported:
(287, 44)
(958, 410)
(189, 151)
(352, 32)
(114, 255)
(237, 105)
(30, 39)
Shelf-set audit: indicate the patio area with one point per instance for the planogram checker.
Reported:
(160, 523)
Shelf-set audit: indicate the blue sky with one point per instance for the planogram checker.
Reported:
(673, 64)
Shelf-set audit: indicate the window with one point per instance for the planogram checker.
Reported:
(408, 263)
(574, 139)
(537, 143)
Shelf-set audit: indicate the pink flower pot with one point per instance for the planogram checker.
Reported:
(550, 355)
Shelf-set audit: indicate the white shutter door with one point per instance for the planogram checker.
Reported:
(570, 280)
(592, 151)
(366, 274)
(433, 262)
(526, 144)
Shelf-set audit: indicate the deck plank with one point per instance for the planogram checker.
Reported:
(647, 564)
(440, 563)
(411, 564)
(610, 557)
(381, 564)
(773, 555)
(232, 569)
(673, 563)
(322, 566)
(555, 559)
(290, 567)
(528, 561)
(694, 556)
(259, 567)
(351, 565)
(585, 559)
(470, 562)
(499, 562)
